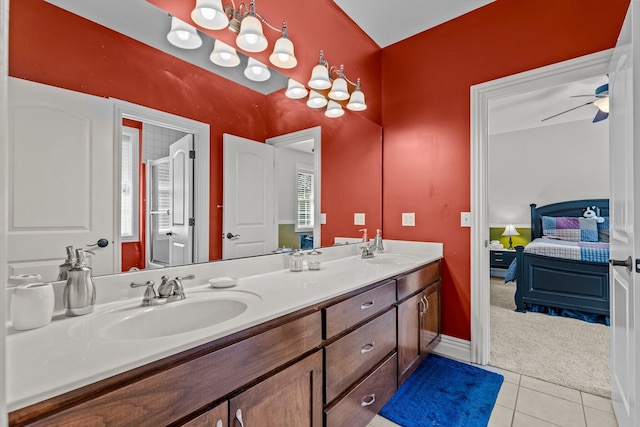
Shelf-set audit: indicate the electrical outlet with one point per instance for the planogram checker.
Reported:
(323, 218)
(465, 219)
(408, 219)
(358, 219)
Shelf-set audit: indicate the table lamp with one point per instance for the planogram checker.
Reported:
(510, 230)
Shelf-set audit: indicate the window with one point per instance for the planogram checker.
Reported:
(304, 194)
(129, 200)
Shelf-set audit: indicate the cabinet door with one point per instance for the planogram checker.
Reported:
(216, 417)
(409, 325)
(292, 397)
(430, 319)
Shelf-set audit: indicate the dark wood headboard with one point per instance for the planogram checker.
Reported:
(573, 208)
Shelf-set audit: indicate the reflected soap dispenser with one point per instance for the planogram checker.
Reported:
(79, 292)
(63, 269)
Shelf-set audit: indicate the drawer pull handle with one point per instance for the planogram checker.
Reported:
(426, 304)
(368, 400)
(239, 417)
(219, 423)
(367, 348)
(367, 304)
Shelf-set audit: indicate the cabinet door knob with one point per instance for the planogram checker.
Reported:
(367, 304)
(367, 348)
(239, 417)
(368, 400)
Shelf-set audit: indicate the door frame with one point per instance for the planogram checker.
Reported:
(282, 141)
(201, 143)
(540, 78)
(4, 163)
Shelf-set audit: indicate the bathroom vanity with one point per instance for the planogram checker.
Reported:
(314, 348)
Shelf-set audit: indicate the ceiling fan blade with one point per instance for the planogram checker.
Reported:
(566, 111)
(580, 96)
(600, 115)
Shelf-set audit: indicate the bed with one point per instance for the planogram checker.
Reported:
(570, 287)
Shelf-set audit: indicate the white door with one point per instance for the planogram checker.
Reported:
(182, 221)
(624, 87)
(248, 198)
(60, 178)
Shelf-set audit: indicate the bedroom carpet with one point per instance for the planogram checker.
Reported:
(559, 350)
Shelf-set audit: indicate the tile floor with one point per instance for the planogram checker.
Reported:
(528, 402)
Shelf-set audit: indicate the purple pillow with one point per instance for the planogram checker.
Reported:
(575, 229)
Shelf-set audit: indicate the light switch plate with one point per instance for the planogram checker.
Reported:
(358, 219)
(323, 218)
(408, 219)
(465, 219)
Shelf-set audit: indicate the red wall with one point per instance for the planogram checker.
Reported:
(426, 114)
(52, 46)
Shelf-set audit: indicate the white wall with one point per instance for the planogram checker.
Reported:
(546, 165)
(286, 182)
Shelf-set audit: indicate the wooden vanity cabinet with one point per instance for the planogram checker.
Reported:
(418, 318)
(215, 417)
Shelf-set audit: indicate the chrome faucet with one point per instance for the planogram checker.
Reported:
(169, 290)
(366, 252)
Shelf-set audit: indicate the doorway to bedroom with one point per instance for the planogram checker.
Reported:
(531, 160)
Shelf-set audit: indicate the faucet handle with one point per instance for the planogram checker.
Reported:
(189, 277)
(149, 293)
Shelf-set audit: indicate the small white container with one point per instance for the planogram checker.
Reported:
(223, 282)
(32, 306)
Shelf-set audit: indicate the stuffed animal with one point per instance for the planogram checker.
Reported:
(593, 212)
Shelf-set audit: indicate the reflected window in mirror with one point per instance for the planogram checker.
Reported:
(305, 197)
(129, 197)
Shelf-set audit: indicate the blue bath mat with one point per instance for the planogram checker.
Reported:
(443, 392)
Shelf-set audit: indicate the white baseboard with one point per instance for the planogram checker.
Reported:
(454, 348)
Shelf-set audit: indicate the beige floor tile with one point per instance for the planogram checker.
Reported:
(597, 418)
(379, 421)
(511, 377)
(552, 389)
(597, 402)
(524, 420)
(507, 395)
(500, 417)
(549, 408)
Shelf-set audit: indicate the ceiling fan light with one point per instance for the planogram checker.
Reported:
(319, 78)
(283, 55)
(316, 100)
(339, 90)
(251, 38)
(224, 55)
(356, 102)
(295, 90)
(602, 104)
(209, 14)
(256, 71)
(183, 35)
(334, 110)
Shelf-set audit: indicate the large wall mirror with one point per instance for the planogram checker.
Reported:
(55, 49)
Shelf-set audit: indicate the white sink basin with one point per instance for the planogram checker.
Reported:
(198, 310)
(393, 259)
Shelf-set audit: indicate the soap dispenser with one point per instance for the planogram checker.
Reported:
(79, 292)
(377, 242)
(63, 269)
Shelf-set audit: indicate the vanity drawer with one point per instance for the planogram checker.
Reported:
(418, 280)
(343, 315)
(353, 355)
(360, 405)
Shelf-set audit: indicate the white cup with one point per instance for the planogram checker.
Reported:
(32, 306)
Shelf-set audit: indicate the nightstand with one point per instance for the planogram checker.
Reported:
(500, 261)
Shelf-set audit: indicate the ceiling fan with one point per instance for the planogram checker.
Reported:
(602, 102)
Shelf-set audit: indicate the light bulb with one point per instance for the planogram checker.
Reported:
(251, 38)
(256, 70)
(225, 56)
(208, 13)
(183, 35)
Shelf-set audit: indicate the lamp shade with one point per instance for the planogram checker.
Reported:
(356, 102)
(334, 109)
(319, 78)
(209, 14)
(339, 90)
(251, 38)
(183, 35)
(224, 55)
(510, 230)
(295, 90)
(316, 100)
(283, 55)
(256, 71)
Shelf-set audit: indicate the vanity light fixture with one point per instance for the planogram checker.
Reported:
(212, 15)
(256, 71)
(296, 90)
(224, 55)
(183, 35)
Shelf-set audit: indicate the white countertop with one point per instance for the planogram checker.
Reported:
(45, 362)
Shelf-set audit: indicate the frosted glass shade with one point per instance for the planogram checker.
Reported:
(183, 35)
(319, 78)
(295, 90)
(339, 90)
(316, 100)
(224, 55)
(283, 55)
(209, 14)
(256, 71)
(251, 38)
(334, 109)
(356, 102)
